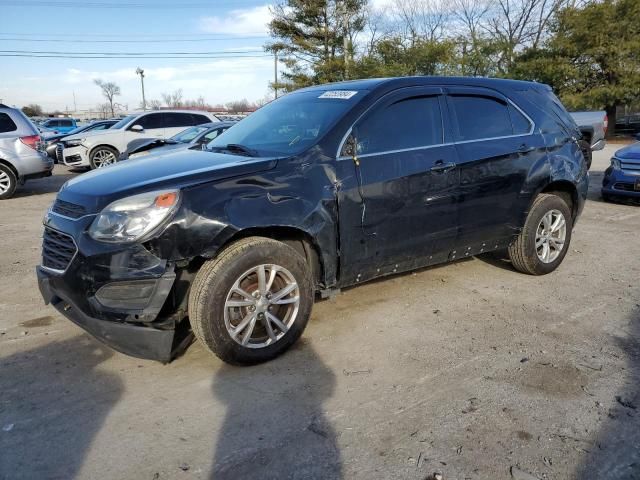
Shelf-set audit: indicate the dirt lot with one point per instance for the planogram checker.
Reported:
(468, 369)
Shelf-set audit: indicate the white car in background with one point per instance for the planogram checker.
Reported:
(103, 147)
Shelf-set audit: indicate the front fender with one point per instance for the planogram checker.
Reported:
(296, 195)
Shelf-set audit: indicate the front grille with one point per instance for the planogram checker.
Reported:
(634, 167)
(627, 187)
(68, 209)
(59, 152)
(58, 249)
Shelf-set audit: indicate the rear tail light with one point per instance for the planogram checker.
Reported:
(33, 141)
(606, 123)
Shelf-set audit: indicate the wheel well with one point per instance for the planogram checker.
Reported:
(103, 145)
(10, 166)
(301, 241)
(567, 191)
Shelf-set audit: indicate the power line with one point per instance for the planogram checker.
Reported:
(112, 5)
(129, 34)
(133, 54)
(74, 40)
(26, 55)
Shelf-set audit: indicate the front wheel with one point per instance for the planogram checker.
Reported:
(102, 157)
(545, 237)
(252, 302)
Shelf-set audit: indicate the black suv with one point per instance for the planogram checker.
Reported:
(323, 188)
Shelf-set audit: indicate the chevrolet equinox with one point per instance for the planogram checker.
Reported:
(326, 187)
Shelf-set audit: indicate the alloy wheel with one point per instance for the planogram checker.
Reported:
(261, 306)
(5, 183)
(550, 236)
(102, 158)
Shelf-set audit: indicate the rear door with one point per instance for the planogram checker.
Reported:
(406, 180)
(496, 149)
(175, 122)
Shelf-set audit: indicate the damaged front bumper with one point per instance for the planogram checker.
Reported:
(123, 295)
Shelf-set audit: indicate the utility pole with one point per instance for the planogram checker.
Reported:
(75, 107)
(140, 72)
(275, 72)
(345, 41)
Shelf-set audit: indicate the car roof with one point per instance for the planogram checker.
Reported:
(374, 83)
(197, 112)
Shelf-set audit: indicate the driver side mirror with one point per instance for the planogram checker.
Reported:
(349, 147)
(137, 128)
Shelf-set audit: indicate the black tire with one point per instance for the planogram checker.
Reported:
(9, 181)
(94, 152)
(587, 152)
(523, 250)
(216, 278)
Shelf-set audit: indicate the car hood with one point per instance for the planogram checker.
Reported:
(95, 133)
(177, 169)
(156, 146)
(630, 153)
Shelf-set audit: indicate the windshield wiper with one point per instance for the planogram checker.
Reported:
(237, 148)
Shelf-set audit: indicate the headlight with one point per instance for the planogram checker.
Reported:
(615, 162)
(75, 142)
(132, 218)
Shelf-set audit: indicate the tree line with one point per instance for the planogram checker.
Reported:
(587, 50)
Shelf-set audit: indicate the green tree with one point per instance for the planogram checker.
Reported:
(316, 39)
(592, 58)
(32, 110)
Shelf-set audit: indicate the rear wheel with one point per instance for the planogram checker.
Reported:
(252, 302)
(103, 156)
(545, 237)
(8, 182)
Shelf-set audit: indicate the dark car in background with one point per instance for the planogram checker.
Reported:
(60, 125)
(196, 137)
(622, 178)
(323, 188)
(52, 141)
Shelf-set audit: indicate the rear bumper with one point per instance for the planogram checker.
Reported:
(32, 164)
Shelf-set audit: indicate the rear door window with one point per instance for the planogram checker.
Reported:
(175, 120)
(407, 123)
(66, 123)
(480, 117)
(6, 124)
(150, 121)
(521, 125)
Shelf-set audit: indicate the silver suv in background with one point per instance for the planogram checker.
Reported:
(22, 155)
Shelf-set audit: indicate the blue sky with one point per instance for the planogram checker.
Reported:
(146, 26)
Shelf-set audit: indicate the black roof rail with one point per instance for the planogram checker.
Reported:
(2, 105)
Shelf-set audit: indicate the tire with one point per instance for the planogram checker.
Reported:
(105, 151)
(524, 254)
(8, 182)
(586, 151)
(212, 319)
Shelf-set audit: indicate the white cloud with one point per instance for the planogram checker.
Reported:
(251, 21)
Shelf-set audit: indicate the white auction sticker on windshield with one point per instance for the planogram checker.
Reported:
(341, 94)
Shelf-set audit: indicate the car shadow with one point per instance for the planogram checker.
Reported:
(42, 186)
(275, 426)
(615, 454)
(53, 401)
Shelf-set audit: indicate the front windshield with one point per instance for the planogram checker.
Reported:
(124, 121)
(189, 134)
(289, 125)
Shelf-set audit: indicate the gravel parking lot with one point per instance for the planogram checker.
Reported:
(470, 369)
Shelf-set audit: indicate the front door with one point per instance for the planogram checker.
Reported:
(398, 208)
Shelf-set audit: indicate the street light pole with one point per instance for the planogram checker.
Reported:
(140, 72)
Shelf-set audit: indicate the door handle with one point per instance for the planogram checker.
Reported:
(524, 148)
(440, 166)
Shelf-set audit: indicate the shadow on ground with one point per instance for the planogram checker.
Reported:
(615, 453)
(42, 185)
(275, 426)
(53, 401)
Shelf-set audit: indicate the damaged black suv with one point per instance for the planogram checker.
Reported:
(323, 188)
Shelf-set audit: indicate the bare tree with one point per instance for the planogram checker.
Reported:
(421, 19)
(173, 100)
(109, 90)
(237, 106)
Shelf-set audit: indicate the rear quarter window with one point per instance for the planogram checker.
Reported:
(7, 124)
(199, 119)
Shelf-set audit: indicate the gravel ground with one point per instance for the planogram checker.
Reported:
(470, 369)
